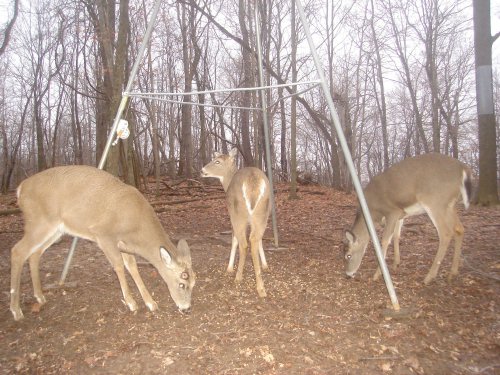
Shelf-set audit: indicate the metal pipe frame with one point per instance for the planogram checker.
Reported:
(350, 164)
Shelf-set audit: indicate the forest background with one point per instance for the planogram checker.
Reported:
(401, 74)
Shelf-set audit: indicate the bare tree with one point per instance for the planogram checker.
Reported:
(293, 108)
(247, 80)
(11, 140)
(488, 189)
(401, 87)
(190, 59)
(46, 61)
(112, 47)
(380, 88)
(400, 25)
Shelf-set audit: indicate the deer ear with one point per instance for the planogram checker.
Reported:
(233, 152)
(165, 256)
(351, 238)
(184, 252)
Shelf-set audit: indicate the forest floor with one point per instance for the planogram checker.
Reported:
(313, 320)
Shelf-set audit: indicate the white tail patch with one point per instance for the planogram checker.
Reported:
(465, 197)
(262, 190)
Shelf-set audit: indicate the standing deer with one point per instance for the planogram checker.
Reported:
(247, 196)
(430, 183)
(89, 203)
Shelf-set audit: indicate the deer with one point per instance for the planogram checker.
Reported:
(92, 204)
(248, 202)
(430, 183)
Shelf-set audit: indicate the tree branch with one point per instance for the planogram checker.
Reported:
(495, 37)
(8, 29)
(315, 115)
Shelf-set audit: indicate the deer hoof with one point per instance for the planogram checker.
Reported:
(152, 306)
(131, 304)
(451, 276)
(41, 299)
(428, 279)
(17, 313)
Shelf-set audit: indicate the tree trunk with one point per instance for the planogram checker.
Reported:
(247, 81)
(113, 57)
(293, 110)
(381, 102)
(283, 150)
(431, 70)
(8, 28)
(40, 149)
(191, 54)
(488, 190)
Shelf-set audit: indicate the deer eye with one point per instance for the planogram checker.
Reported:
(348, 256)
(216, 162)
(184, 276)
(182, 285)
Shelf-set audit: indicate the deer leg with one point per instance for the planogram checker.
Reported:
(243, 247)
(26, 248)
(443, 224)
(115, 258)
(386, 240)
(131, 265)
(255, 243)
(262, 256)
(234, 245)
(459, 235)
(34, 262)
(129, 300)
(395, 242)
(19, 254)
(239, 232)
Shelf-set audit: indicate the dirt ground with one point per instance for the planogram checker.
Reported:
(313, 320)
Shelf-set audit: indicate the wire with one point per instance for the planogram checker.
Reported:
(482, 273)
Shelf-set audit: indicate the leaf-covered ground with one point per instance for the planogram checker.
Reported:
(313, 321)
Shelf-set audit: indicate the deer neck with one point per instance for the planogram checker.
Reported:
(228, 177)
(360, 229)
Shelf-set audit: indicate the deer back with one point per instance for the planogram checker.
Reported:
(90, 203)
(249, 192)
(423, 180)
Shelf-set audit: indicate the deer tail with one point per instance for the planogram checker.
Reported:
(466, 187)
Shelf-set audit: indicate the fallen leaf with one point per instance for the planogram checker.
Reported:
(385, 367)
(35, 308)
(167, 361)
(412, 361)
(308, 360)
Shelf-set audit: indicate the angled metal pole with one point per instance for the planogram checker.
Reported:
(350, 164)
(266, 127)
(118, 116)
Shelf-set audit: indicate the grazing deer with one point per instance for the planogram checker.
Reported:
(431, 184)
(247, 195)
(87, 202)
